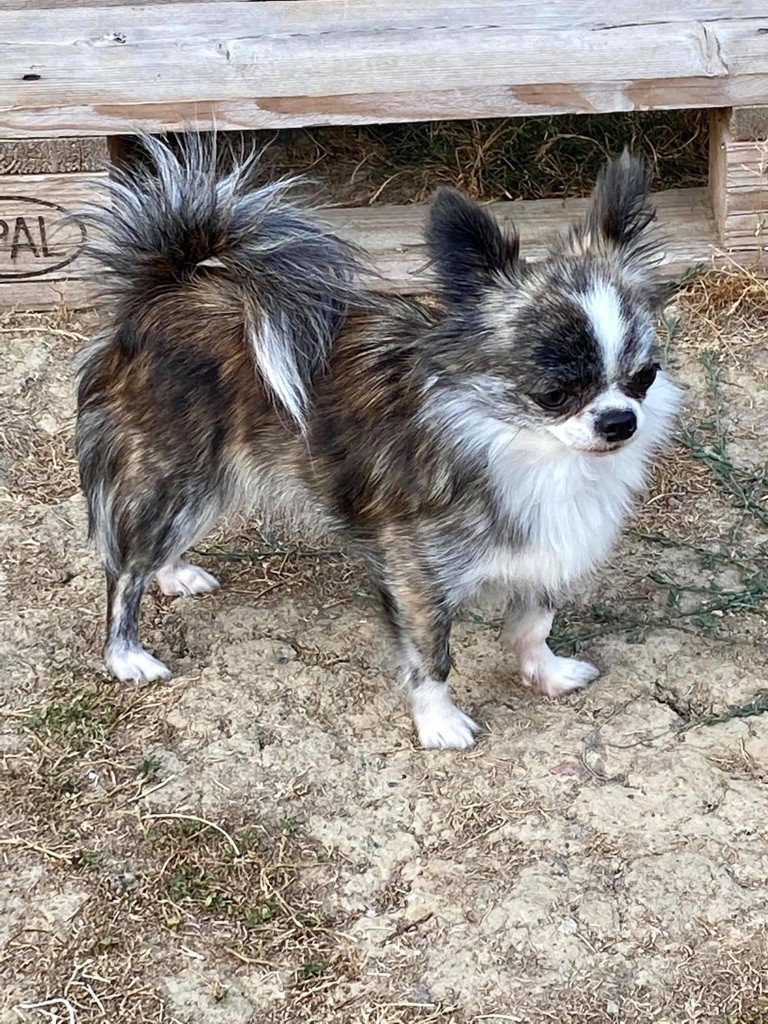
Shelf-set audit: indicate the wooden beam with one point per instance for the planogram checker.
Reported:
(84, 69)
(556, 14)
(738, 182)
(393, 235)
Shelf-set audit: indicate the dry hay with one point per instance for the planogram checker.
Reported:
(508, 158)
(726, 311)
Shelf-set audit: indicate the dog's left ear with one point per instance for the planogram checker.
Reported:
(621, 209)
(469, 249)
(618, 220)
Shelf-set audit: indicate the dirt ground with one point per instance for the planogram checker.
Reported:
(260, 840)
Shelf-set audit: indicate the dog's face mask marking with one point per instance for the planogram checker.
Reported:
(590, 363)
(566, 347)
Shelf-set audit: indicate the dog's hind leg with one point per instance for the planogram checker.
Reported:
(125, 657)
(148, 539)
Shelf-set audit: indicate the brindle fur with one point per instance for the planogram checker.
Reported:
(181, 416)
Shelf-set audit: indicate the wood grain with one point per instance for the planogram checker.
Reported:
(738, 181)
(37, 244)
(393, 235)
(381, 15)
(106, 69)
(749, 123)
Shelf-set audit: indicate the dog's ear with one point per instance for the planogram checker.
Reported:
(468, 248)
(617, 221)
(621, 209)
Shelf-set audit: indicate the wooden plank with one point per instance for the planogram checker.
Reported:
(738, 181)
(106, 70)
(748, 123)
(52, 156)
(39, 255)
(41, 5)
(378, 15)
(393, 235)
(59, 293)
(718, 172)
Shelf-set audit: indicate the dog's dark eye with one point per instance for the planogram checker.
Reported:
(642, 380)
(552, 399)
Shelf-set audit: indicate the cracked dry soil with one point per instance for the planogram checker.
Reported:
(260, 840)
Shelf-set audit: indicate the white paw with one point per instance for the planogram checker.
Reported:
(183, 579)
(439, 723)
(127, 662)
(561, 675)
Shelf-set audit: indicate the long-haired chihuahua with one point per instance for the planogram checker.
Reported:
(497, 441)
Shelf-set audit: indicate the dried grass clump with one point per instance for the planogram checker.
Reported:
(508, 158)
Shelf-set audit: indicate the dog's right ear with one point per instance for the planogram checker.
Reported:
(468, 248)
(618, 219)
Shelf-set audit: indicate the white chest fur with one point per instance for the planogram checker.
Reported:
(569, 509)
(568, 505)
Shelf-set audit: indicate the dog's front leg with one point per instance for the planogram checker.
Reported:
(420, 619)
(525, 631)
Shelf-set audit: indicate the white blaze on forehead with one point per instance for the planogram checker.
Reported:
(602, 304)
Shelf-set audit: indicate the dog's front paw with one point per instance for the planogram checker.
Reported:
(185, 580)
(439, 723)
(560, 676)
(129, 662)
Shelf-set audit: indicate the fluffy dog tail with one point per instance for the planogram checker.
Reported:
(175, 219)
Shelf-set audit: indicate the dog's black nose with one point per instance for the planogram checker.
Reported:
(617, 424)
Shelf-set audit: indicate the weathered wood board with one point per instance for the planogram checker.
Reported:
(738, 177)
(40, 268)
(53, 156)
(40, 261)
(85, 69)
